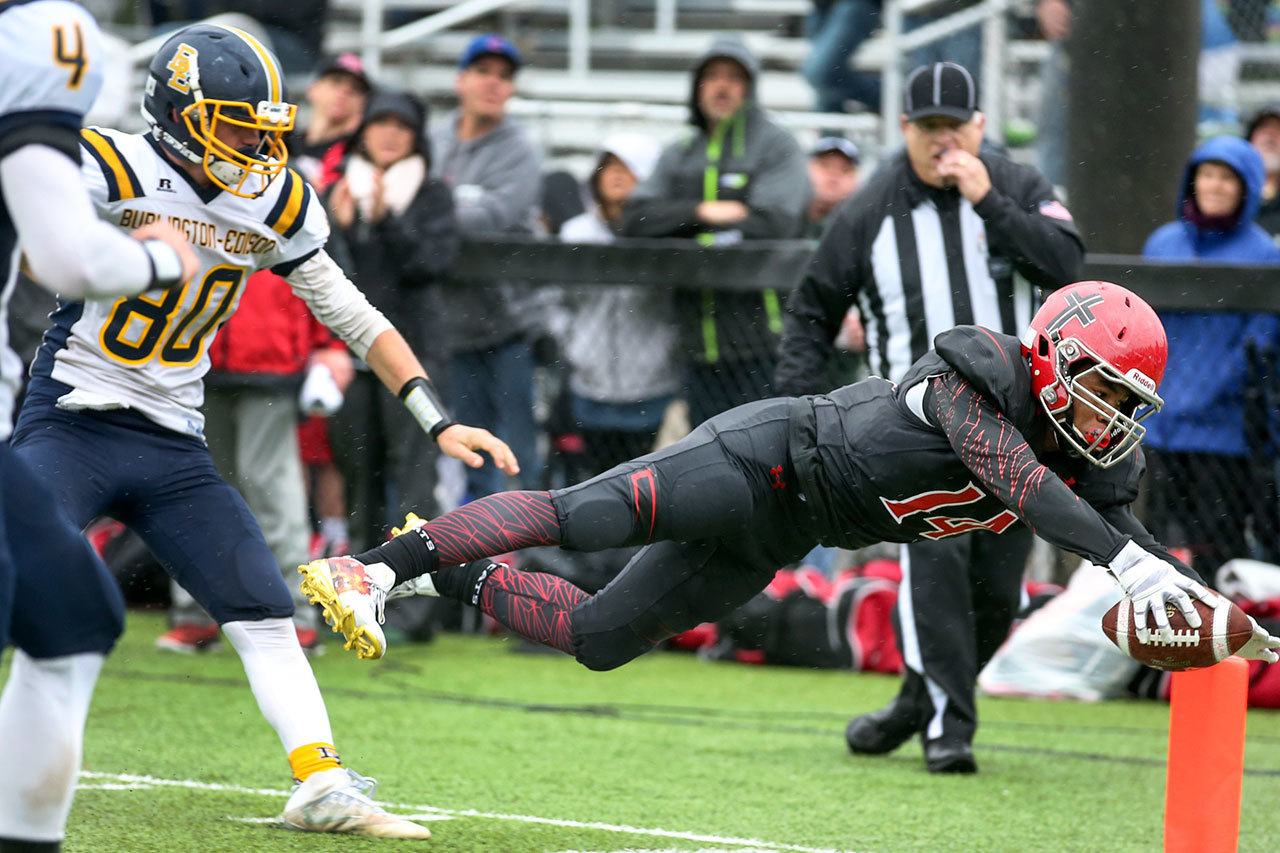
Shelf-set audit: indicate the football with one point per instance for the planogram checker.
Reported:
(1224, 629)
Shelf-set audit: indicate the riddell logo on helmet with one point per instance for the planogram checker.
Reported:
(184, 60)
(1137, 377)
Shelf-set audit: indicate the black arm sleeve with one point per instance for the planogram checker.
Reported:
(814, 311)
(1123, 519)
(992, 448)
(1045, 249)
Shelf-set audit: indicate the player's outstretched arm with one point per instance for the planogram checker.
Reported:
(68, 249)
(402, 374)
(338, 304)
(992, 448)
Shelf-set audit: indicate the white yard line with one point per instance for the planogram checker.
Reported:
(132, 782)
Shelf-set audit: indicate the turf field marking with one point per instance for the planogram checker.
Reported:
(135, 782)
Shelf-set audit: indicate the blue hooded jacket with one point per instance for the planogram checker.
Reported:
(1203, 386)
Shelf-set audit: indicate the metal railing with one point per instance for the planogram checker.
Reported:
(778, 264)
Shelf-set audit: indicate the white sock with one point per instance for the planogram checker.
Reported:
(281, 680)
(42, 715)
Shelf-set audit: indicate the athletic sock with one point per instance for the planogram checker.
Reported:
(409, 555)
(312, 758)
(42, 714)
(496, 524)
(284, 685)
(535, 605)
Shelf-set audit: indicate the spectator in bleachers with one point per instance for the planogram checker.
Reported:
(494, 171)
(396, 234)
(833, 176)
(257, 365)
(620, 340)
(1209, 449)
(737, 176)
(335, 101)
(562, 199)
(1264, 134)
(837, 28)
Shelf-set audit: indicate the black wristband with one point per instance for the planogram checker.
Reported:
(422, 401)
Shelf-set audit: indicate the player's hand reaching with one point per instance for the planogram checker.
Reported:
(462, 442)
(1152, 584)
(1262, 646)
(165, 233)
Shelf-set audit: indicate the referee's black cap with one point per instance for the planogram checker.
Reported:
(940, 89)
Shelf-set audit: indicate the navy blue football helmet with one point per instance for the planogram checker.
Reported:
(207, 76)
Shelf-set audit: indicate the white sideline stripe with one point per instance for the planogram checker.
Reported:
(128, 780)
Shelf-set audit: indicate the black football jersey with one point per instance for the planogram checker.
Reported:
(958, 446)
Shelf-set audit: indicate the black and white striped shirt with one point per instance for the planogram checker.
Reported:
(919, 260)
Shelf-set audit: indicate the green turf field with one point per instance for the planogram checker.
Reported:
(515, 752)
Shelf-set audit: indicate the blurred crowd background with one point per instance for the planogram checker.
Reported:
(581, 123)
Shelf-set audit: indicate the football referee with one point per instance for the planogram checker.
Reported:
(945, 233)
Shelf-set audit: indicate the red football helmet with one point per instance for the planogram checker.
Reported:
(1101, 328)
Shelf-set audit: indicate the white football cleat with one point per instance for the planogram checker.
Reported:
(338, 800)
(351, 596)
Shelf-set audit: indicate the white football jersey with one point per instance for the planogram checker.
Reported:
(150, 352)
(51, 68)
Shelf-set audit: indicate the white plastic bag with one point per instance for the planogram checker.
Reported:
(1060, 652)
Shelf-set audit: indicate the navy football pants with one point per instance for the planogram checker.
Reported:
(164, 486)
(56, 596)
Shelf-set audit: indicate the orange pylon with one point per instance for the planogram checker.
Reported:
(1206, 758)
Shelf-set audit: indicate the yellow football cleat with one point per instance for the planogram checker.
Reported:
(412, 521)
(351, 596)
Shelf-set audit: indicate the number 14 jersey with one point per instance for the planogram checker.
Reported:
(150, 352)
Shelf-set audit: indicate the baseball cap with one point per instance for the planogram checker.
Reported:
(838, 144)
(489, 44)
(940, 89)
(349, 64)
(1271, 110)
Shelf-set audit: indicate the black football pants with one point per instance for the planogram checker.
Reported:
(956, 603)
(718, 513)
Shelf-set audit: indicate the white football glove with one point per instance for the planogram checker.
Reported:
(1151, 584)
(320, 394)
(1261, 646)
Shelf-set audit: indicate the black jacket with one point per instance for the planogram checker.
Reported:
(872, 256)
(966, 453)
(394, 260)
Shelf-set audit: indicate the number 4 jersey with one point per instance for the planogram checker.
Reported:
(50, 74)
(150, 352)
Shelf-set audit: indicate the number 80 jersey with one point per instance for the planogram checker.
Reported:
(150, 352)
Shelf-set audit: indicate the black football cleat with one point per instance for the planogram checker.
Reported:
(880, 731)
(942, 756)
